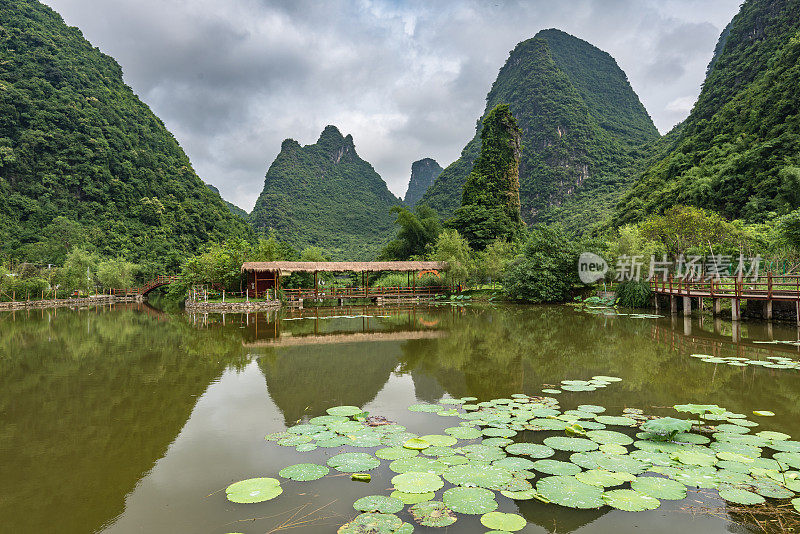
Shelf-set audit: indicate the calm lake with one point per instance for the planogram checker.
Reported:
(130, 420)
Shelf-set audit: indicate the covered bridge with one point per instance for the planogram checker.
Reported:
(264, 276)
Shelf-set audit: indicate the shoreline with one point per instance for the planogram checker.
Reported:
(67, 303)
(212, 307)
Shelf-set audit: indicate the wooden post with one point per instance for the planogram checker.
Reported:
(717, 306)
(316, 286)
(673, 303)
(735, 310)
(687, 305)
(223, 296)
(768, 310)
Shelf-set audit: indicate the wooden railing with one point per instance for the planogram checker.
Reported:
(370, 292)
(148, 286)
(766, 287)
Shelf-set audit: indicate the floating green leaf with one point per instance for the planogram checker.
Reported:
(351, 462)
(432, 514)
(570, 444)
(534, 450)
(463, 432)
(556, 467)
(482, 476)
(630, 500)
(699, 409)
(470, 500)
(603, 478)
(569, 491)
(740, 496)
(763, 413)
(416, 482)
(372, 523)
(609, 436)
(616, 420)
(412, 498)
(660, 488)
(667, 426)
(344, 411)
(304, 472)
(438, 440)
(503, 522)
(253, 490)
(416, 444)
(378, 503)
(419, 465)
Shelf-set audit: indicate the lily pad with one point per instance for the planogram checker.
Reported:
(482, 476)
(344, 411)
(304, 472)
(569, 491)
(419, 465)
(253, 490)
(416, 444)
(534, 450)
(463, 432)
(353, 462)
(609, 437)
(470, 500)
(372, 523)
(660, 488)
(503, 522)
(415, 482)
(667, 426)
(433, 514)
(378, 503)
(563, 443)
(616, 420)
(763, 413)
(556, 467)
(699, 409)
(412, 498)
(740, 496)
(603, 478)
(630, 500)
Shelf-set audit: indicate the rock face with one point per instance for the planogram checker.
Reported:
(580, 122)
(78, 149)
(738, 152)
(325, 195)
(423, 174)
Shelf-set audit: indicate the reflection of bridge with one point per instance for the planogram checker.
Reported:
(355, 337)
(148, 286)
(768, 289)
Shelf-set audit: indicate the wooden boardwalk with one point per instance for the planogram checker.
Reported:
(379, 294)
(767, 288)
(146, 288)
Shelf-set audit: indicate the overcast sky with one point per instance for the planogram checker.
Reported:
(233, 78)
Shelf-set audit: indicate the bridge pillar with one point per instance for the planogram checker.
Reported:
(673, 304)
(700, 303)
(655, 301)
(717, 306)
(736, 333)
(736, 312)
(687, 305)
(768, 310)
(687, 325)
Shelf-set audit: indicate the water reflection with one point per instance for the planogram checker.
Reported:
(109, 415)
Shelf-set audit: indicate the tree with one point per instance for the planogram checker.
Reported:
(271, 249)
(492, 261)
(79, 270)
(450, 247)
(547, 268)
(682, 228)
(490, 205)
(417, 231)
(116, 273)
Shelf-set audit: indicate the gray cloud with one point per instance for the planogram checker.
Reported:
(408, 78)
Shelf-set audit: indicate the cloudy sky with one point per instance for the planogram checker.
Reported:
(233, 78)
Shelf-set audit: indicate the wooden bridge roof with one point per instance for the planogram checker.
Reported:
(285, 267)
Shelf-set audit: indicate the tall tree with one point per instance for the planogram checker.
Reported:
(490, 207)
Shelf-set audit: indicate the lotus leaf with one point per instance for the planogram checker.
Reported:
(419, 465)
(499, 432)
(396, 439)
(763, 413)
(520, 495)
(324, 420)
(603, 478)
(253, 490)
(616, 420)
(796, 504)
(514, 464)
(378, 503)
(439, 451)
(463, 432)
(570, 444)
(294, 440)
(416, 444)
(667, 426)
(454, 460)
(730, 476)
(363, 440)
(792, 459)
(372, 523)
(607, 378)
(687, 437)
(785, 446)
(773, 436)
(395, 453)
(432, 514)
(732, 429)
(425, 407)
(569, 491)
(579, 388)
(306, 447)
(740, 496)
(352, 462)
(591, 408)
(345, 411)
(699, 409)
(551, 391)
(697, 477)
(630, 500)
(275, 436)
(305, 429)
(690, 457)
(772, 490)
(346, 427)
(483, 453)
(613, 449)
(304, 472)
(412, 498)
(338, 441)
(534, 450)
(556, 467)
(452, 401)
(609, 436)
(482, 476)
(470, 500)
(416, 482)
(660, 488)
(503, 522)
(496, 442)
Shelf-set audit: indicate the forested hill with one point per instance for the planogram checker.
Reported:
(423, 174)
(325, 195)
(582, 127)
(81, 155)
(236, 210)
(738, 152)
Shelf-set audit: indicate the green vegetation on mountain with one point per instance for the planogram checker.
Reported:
(84, 161)
(490, 206)
(738, 152)
(582, 128)
(325, 195)
(423, 174)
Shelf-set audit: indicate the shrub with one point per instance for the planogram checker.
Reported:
(634, 294)
(546, 270)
